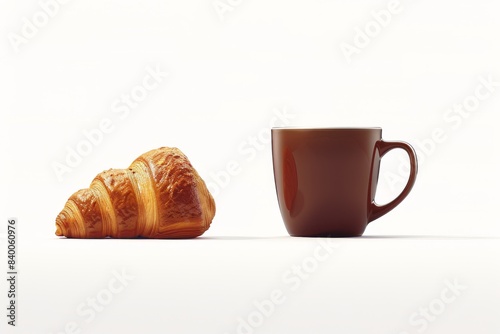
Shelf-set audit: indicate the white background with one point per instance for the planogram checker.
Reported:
(229, 73)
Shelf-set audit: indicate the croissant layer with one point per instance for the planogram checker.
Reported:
(160, 195)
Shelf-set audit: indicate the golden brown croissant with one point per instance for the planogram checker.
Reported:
(159, 196)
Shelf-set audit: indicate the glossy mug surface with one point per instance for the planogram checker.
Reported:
(326, 178)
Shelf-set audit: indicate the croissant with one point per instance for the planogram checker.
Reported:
(159, 196)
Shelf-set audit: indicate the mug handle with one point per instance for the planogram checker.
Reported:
(383, 147)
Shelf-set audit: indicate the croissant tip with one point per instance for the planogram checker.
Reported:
(58, 231)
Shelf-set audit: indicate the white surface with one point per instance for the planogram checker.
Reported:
(364, 285)
(227, 82)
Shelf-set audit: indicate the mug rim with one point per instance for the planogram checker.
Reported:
(312, 128)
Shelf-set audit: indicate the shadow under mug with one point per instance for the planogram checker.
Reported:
(326, 178)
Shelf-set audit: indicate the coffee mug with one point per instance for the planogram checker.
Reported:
(326, 178)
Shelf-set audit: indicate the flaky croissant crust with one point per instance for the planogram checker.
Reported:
(159, 196)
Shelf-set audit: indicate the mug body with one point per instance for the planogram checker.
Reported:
(325, 178)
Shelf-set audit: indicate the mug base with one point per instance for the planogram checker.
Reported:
(330, 235)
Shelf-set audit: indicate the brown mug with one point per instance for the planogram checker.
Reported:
(326, 178)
